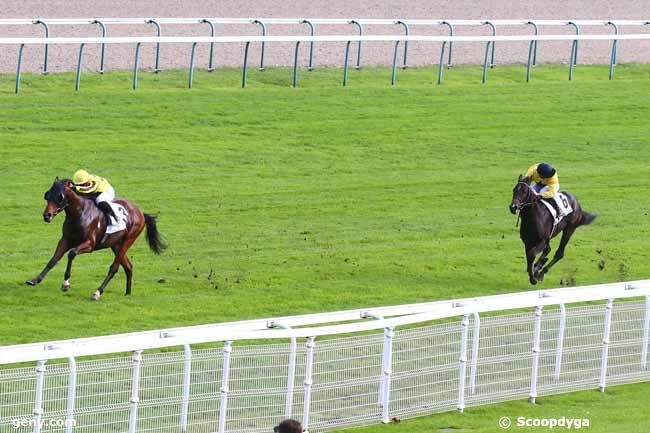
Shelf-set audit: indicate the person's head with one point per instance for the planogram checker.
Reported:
(545, 170)
(288, 426)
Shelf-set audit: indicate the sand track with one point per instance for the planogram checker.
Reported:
(177, 56)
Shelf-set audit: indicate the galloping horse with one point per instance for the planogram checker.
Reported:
(537, 227)
(84, 231)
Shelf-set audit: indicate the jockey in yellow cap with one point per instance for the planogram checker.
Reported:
(546, 183)
(102, 191)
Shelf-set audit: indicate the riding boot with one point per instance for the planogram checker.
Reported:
(108, 211)
(558, 205)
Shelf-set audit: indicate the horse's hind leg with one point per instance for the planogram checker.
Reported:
(128, 270)
(566, 235)
(120, 254)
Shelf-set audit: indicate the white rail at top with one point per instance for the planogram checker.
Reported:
(337, 38)
(303, 326)
(362, 21)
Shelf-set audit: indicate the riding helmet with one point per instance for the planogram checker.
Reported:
(545, 170)
(80, 177)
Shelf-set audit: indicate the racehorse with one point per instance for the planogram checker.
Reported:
(84, 231)
(537, 227)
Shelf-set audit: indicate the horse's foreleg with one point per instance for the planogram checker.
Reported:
(68, 271)
(566, 235)
(542, 259)
(84, 247)
(531, 253)
(61, 248)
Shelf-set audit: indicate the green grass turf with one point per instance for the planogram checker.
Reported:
(279, 201)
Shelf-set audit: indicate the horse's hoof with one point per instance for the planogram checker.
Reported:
(95, 296)
(32, 282)
(65, 286)
(533, 281)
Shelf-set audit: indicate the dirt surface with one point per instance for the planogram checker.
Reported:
(177, 56)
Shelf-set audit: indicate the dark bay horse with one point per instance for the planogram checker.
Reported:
(537, 229)
(84, 231)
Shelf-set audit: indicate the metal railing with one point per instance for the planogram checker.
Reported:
(418, 365)
(359, 23)
(297, 40)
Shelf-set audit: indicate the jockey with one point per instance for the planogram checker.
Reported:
(102, 191)
(546, 183)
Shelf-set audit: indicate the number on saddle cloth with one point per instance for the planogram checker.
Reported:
(561, 205)
(122, 218)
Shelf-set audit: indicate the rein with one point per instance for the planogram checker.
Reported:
(58, 210)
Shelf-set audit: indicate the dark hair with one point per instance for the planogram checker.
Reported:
(288, 426)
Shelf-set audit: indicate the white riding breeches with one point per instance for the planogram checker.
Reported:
(540, 188)
(108, 195)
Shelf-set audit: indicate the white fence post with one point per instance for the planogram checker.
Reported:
(475, 346)
(38, 398)
(646, 332)
(462, 370)
(387, 372)
(223, 407)
(536, 350)
(384, 357)
(560, 342)
(309, 371)
(605, 353)
(291, 377)
(291, 373)
(72, 390)
(135, 386)
(187, 375)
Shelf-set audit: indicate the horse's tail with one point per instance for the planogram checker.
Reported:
(587, 218)
(156, 243)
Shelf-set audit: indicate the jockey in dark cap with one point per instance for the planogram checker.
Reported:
(546, 183)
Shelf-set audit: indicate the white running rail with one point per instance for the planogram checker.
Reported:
(383, 362)
(359, 23)
(297, 40)
(330, 38)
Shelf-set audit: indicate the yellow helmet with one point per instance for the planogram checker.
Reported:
(80, 177)
(83, 181)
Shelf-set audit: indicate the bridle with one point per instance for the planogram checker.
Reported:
(527, 204)
(61, 208)
(523, 206)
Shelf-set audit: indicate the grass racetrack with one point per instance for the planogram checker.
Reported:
(279, 201)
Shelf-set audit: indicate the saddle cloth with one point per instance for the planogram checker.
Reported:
(563, 203)
(122, 218)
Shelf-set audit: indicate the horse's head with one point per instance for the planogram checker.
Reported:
(57, 198)
(522, 195)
